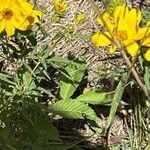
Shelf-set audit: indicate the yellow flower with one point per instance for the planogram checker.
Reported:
(30, 15)
(123, 26)
(13, 15)
(60, 6)
(143, 34)
(147, 55)
(80, 18)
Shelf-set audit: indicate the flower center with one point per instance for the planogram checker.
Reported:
(7, 14)
(121, 36)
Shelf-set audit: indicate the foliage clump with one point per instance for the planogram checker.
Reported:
(38, 88)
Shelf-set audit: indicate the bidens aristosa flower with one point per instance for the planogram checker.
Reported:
(60, 6)
(16, 14)
(144, 32)
(123, 26)
(31, 16)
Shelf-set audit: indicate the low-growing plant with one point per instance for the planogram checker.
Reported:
(36, 86)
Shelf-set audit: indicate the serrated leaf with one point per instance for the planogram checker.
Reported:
(73, 109)
(95, 97)
(71, 82)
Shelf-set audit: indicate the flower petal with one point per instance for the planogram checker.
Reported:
(100, 39)
(146, 41)
(26, 8)
(10, 29)
(2, 25)
(19, 21)
(37, 13)
(120, 15)
(147, 55)
(145, 35)
(108, 20)
(134, 16)
(132, 48)
(141, 33)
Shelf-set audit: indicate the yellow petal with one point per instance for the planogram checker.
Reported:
(37, 13)
(132, 48)
(120, 15)
(131, 22)
(19, 21)
(112, 48)
(146, 41)
(5, 4)
(2, 25)
(100, 40)
(108, 20)
(140, 34)
(10, 29)
(26, 8)
(146, 35)
(147, 55)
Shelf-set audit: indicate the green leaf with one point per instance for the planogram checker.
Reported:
(6, 78)
(73, 109)
(116, 99)
(71, 81)
(64, 61)
(95, 97)
(4, 133)
(28, 81)
(147, 77)
(81, 36)
(44, 91)
(46, 131)
(29, 69)
(58, 35)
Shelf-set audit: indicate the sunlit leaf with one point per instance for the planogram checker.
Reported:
(95, 97)
(73, 109)
(71, 82)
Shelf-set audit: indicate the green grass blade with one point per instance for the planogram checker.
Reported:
(116, 100)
